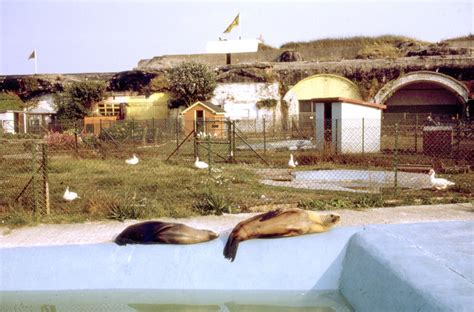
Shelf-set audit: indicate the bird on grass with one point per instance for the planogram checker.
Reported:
(200, 164)
(69, 196)
(132, 161)
(439, 183)
(292, 163)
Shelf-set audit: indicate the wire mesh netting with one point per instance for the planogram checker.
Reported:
(246, 160)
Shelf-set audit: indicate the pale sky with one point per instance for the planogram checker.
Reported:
(110, 36)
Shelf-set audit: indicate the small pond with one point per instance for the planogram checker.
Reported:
(348, 180)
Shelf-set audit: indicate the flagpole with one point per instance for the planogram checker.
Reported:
(240, 26)
(36, 64)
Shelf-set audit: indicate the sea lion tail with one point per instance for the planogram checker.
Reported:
(230, 249)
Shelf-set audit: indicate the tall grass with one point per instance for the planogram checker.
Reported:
(349, 48)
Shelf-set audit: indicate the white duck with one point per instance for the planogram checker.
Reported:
(70, 196)
(200, 164)
(439, 183)
(292, 163)
(132, 161)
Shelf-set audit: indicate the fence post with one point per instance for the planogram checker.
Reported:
(144, 134)
(395, 158)
(336, 136)
(132, 131)
(33, 178)
(233, 139)
(209, 160)
(416, 134)
(176, 128)
(458, 141)
(44, 151)
(153, 129)
(229, 139)
(264, 138)
(75, 136)
(363, 135)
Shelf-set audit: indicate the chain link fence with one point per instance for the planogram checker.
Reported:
(248, 160)
(24, 176)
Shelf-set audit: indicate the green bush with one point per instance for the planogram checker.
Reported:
(212, 204)
(121, 131)
(126, 207)
(267, 103)
(314, 204)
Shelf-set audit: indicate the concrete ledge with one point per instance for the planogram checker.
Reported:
(309, 262)
(411, 267)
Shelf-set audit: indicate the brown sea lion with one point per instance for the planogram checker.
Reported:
(278, 223)
(156, 232)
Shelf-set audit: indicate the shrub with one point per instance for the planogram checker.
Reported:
(314, 204)
(57, 139)
(267, 103)
(121, 131)
(212, 203)
(126, 207)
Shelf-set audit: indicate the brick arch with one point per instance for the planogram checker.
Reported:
(447, 82)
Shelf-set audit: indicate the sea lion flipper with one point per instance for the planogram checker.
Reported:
(161, 226)
(271, 214)
(230, 249)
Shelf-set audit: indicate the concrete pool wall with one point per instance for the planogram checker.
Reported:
(403, 267)
(310, 262)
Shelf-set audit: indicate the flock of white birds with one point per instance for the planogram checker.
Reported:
(436, 183)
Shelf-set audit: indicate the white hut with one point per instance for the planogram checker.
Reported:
(347, 125)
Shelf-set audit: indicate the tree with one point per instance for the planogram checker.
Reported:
(190, 82)
(78, 99)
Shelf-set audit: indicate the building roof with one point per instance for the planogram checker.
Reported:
(212, 107)
(350, 101)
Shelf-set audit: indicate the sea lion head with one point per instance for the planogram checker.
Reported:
(331, 219)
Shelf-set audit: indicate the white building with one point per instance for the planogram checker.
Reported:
(347, 126)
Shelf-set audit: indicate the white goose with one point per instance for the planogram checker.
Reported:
(200, 164)
(132, 161)
(69, 196)
(439, 183)
(292, 163)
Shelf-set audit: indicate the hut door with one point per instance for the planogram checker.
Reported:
(200, 121)
(327, 125)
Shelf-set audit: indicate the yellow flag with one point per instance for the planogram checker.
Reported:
(234, 23)
(32, 55)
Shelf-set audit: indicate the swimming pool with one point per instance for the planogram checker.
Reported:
(397, 267)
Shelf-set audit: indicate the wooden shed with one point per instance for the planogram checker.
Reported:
(95, 124)
(205, 118)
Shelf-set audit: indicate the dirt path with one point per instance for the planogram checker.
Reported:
(99, 232)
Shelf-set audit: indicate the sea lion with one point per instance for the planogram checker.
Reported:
(278, 223)
(156, 232)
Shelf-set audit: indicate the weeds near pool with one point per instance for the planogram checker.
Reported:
(369, 201)
(361, 202)
(127, 207)
(314, 204)
(212, 203)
